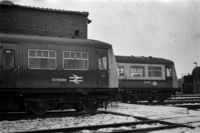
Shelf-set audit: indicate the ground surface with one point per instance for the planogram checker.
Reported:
(178, 115)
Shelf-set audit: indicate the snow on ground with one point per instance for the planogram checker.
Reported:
(180, 115)
(50, 123)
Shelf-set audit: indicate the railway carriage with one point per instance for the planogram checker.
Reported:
(146, 78)
(40, 73)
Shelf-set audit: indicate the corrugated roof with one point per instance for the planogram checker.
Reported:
(142, 60)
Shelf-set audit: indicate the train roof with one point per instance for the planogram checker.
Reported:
(142, 60)
(15, 38)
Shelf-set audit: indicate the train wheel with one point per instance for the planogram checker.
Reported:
(90, 106)
(77, 107)
(150, 100)
(133, 99)
(37, 109)
(160, 98)
(124, 98)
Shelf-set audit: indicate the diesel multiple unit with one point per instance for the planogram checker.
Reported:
(38, 73)
(146, 78)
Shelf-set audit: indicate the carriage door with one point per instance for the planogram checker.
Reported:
(103, 76)
(7, 65)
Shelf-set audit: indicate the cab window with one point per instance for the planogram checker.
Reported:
(102, 62)
(169, 72)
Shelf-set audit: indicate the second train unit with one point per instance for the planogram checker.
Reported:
(146, 78)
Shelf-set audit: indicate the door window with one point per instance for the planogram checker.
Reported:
(169, 72)
(120, 70)
(102, 62)
(8, 58)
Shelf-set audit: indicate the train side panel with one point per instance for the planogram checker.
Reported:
(133, 78)
(32, 65)
(48, 72)
(56, 73)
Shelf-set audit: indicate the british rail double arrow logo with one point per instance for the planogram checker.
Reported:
(76, 79)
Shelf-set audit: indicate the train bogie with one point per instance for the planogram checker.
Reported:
(46, 70)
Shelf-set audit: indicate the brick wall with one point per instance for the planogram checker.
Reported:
(17, 19)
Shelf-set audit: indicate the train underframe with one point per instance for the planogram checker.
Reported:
(133, 95)
(40, 103)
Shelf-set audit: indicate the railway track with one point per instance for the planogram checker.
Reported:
(122, 127)
(194, 107)
(117, 127)
(132, 125)
(186, 95)
(190, 103)
(27, 116)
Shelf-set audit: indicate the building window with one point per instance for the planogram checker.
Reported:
(77, 33)
(41, 59)
(137, 71)
(121, 70)
(154, 71)
(73, 60)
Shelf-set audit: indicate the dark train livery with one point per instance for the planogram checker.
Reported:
(191, 83)
(40, 73)
(44, 73)
(146, 78)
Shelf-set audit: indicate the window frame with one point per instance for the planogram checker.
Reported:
(168, 72)
(102, 64)
(74, 58)
(160, 71)
(121, 73)
(143, 71)
(39, 57)
(4, 59)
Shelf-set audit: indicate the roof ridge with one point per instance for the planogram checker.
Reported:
(9, 3)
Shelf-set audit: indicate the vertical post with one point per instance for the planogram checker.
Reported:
(196, 76)
(196, 72)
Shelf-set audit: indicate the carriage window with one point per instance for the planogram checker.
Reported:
(8, 58)
(41, 59)
(169, 72)
(137, 71)
(155, 71)
(75, 60)
(121, 70)
(102, 62)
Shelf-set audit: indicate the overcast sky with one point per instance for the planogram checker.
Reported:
(160, 28)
